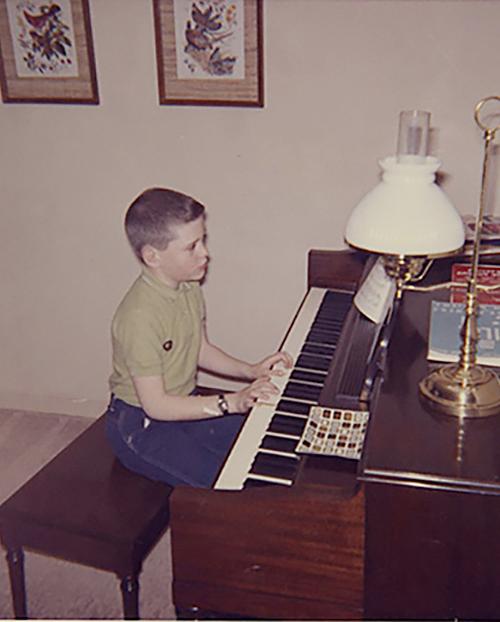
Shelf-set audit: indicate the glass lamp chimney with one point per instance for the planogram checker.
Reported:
(413, 136)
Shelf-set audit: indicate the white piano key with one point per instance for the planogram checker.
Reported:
(270, 479)
(277, 452)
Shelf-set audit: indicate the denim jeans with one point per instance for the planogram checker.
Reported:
(175, 452)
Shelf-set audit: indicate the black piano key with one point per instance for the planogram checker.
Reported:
(300, 390)
(331, 316)
(338, 299)
(326, 320)
(312, 362)
(322, 336)
(281, 424)
(315, 348)
(274, 466)
(279, 443)
(335, 304)
(328, 323)
(324, 323)
(291, 406)
(308, 376)
(257, 483)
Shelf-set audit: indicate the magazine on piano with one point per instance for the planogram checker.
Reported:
(444, 335)
(486, 275)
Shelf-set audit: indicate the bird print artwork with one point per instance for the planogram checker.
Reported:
(43, 37)
(212, 32)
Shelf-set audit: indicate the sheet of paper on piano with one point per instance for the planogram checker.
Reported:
(375, 296)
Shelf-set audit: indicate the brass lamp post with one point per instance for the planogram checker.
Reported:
(466, 389)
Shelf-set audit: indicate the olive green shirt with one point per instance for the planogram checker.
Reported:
(156, 331)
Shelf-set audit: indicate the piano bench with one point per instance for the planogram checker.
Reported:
(85, 507)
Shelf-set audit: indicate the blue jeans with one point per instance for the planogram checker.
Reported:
(175, 452)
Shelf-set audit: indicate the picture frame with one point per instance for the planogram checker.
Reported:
(209, 52)
(46, 52)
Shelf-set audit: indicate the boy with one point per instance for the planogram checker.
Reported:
(155, 422)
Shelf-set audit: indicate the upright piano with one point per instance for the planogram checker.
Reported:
(410, 530)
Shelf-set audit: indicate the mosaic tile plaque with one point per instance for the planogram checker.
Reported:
(334, 432)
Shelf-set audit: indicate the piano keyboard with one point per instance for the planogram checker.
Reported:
(264, 452)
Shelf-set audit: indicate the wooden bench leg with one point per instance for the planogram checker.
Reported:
(129, 586)
(15, 560)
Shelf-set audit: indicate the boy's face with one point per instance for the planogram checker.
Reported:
(186, 256)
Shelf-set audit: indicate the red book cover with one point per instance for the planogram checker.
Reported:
(486, 275)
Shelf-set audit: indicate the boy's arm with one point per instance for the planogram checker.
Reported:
(161, 405)
(215, 360)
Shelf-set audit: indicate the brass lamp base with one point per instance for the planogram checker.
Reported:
(452, 390)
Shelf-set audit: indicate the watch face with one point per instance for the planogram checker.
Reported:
(223, 406)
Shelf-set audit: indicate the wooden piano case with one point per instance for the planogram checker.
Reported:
(412, 535)
(275, 552)
(263, 553)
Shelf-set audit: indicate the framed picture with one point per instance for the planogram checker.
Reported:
(209, 52)
(46, 52)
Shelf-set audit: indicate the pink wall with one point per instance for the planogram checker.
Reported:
(276, 181)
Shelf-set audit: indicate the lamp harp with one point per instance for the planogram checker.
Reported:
(466, 389)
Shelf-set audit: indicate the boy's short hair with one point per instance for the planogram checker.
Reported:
(150, 217)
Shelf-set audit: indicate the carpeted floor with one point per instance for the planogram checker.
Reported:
(58, 589)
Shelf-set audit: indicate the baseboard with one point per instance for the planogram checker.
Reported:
(81, 407)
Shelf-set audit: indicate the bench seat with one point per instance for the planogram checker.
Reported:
(85, 507)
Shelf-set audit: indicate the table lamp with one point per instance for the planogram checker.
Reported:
(407, 217)
(408, 220)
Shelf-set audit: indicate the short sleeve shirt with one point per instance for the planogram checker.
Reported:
(156, 331)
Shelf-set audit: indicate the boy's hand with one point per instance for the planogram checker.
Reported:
(243, 400)
(265, 367)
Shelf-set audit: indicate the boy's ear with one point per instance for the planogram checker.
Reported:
(149, 256)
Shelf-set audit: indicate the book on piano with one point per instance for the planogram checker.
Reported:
(486, 275)
(447, 319)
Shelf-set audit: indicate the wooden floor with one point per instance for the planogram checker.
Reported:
(28, 440)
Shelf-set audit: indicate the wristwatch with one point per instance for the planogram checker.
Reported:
(222, 404)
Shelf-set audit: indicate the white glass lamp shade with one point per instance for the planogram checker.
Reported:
(406, 213)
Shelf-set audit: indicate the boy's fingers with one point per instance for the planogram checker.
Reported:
(268, 389)
(285, 358)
